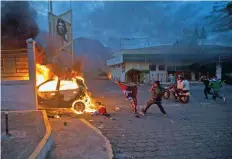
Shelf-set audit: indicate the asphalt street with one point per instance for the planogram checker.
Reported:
(199, 129)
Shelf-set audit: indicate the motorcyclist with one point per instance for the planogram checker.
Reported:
(185, 84)
(179, 86)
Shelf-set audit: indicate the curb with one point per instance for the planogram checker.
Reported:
(45, 144)
(107, 142)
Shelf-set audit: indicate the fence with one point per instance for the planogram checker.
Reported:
(14, 64)
(18, 78)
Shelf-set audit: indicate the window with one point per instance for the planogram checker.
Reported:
(152, 67)
(68, 85)
(47, 91)
(161, 67)
(49, 86)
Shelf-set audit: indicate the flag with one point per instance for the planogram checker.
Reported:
(131, 93)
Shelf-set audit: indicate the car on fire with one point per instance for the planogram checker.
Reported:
(62, 93)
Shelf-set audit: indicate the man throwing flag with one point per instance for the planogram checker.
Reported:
(130, 90)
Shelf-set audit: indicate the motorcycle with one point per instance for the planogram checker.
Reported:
(182, 95)
(167, 91)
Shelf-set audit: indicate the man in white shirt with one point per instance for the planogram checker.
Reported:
(184, 84)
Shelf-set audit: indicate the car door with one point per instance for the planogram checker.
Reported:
(68, 90)
(47, 93)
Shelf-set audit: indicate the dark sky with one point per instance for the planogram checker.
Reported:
(161, 22)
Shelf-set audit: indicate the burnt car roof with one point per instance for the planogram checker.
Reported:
(79, 82)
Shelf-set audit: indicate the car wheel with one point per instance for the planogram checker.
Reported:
(166, 94)
(79, 106)
(184, 99)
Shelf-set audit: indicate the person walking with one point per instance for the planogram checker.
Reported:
(216, 85)
(207, 89)
(130, 90)
(156, 90)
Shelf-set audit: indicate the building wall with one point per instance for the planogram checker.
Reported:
(153, 75)
(159, 74)
(18, 83)
(116, 72)
(17, 95)
(136, 65)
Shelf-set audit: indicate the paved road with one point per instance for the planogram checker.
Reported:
(199, 129)
(75, 140)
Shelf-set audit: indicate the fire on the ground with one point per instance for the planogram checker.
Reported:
(43, 74)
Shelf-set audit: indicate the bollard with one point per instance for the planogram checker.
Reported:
(7, 128)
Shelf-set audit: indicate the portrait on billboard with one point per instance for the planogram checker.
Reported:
(62, 30)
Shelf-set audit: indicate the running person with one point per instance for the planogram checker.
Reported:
(216, 85)
(207, 89)
(156, 90)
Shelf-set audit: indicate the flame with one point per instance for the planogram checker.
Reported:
(109, 75)
(68, 84)
(43, 73)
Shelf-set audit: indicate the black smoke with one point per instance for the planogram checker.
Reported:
(18, 23)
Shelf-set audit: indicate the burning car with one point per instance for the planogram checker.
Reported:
(65, 93)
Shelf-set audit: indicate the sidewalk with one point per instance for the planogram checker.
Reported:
(76, 138)
(27, 130)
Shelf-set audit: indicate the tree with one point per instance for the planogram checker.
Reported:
(221, 17)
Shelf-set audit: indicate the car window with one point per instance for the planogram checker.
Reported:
(48, 86)
(68, 85)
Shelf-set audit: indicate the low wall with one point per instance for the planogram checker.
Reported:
(17, 95)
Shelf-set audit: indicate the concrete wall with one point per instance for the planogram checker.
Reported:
(17, 95)
(116, 73)
(21, 94)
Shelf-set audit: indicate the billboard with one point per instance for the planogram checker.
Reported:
(61, 27)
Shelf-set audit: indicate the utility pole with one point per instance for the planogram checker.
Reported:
(50, 11)
(72, 33)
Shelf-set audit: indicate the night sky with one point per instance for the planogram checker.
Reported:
(161, 22)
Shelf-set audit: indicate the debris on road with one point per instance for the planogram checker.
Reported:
(101, 110)
(65, 123)
(116, 108)
(101, 126)
(56, 116)
(112, 118)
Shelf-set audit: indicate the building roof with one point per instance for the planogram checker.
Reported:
(169, 49)
(168, 53)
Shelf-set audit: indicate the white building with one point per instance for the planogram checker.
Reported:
(146, 65)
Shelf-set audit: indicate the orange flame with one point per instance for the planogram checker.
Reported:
(43, 73)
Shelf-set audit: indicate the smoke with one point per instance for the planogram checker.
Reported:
(18, 23)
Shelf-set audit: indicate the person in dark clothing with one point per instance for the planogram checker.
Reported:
(207, 89)
(156, 90)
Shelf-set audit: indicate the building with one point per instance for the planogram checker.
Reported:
(146, 65)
